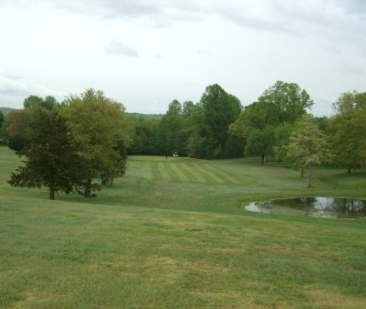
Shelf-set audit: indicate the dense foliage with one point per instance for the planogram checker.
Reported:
(277, 125)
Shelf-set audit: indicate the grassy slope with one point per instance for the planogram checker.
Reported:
(173, 234)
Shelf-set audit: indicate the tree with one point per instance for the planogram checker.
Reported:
(260, 143)
(175, 109)
(52, 157)
(282, 134)
(188, 109)
(346, 131)
(213, 115)
(347, 140)
(2, 131)
(249, 119)
(33, 101)
(284, 102)
(308, 145)
(170, 127)
(2, 118)
(16, 129)
(145, 136)
(280, 103)
(98, 124)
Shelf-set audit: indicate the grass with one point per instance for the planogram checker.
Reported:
(173, 234)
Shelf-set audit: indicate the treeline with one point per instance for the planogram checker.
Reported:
(277, 125)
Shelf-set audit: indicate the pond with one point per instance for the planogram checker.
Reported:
(324, 207)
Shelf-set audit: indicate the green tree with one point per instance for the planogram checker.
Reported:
(187, 109)
(98, 124)
(33, 101)
(282, 134)
(308, 145)
(346, 131)
(171, 126)
(16, 129)
(260, 143)
(52, 157)
(280, 103)
(174, 109)
(2, 118)
(249, 119)
(215, 112)
(284, 102)
(145, 136)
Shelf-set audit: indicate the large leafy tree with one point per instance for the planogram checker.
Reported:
(282, 102)
(99, 125)
(171, 127)
(216, 110)
(52, 157)
(307, 146)
(347, 131)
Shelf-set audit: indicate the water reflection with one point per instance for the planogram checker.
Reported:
(325, 207)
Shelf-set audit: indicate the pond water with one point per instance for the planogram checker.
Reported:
(324, 207)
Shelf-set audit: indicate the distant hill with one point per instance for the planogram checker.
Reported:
(138, 115)
(5, 110)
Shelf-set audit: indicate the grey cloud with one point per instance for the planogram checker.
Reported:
(352, 70)
(10, 84)
(117, 48)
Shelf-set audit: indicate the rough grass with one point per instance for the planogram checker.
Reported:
(162, 238)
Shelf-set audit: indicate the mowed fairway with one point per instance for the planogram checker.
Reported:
(173, 233)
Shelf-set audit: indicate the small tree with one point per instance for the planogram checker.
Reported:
(308, 145)
(52, 157)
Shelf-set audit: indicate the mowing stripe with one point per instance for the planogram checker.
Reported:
(207, 175)
(187, 173)
(139, 170)
(155, 171)
(172, 173)
(192, 173)
(177, 168)
(163, 172)
(229, 177)
(145, 170)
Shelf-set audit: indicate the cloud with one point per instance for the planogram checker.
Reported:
(352, 70)
(10, 83)
(117, 48)
(13, 90)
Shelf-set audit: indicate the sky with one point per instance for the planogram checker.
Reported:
(146, 53)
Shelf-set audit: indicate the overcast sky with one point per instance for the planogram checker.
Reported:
(146, 53)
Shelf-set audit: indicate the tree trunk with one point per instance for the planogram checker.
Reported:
(302, 172)
(349, 170)
(262, 160)
(310, 174)
(87, 192)
(52, 194)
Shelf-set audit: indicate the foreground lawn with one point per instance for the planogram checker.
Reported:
(173, 234)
